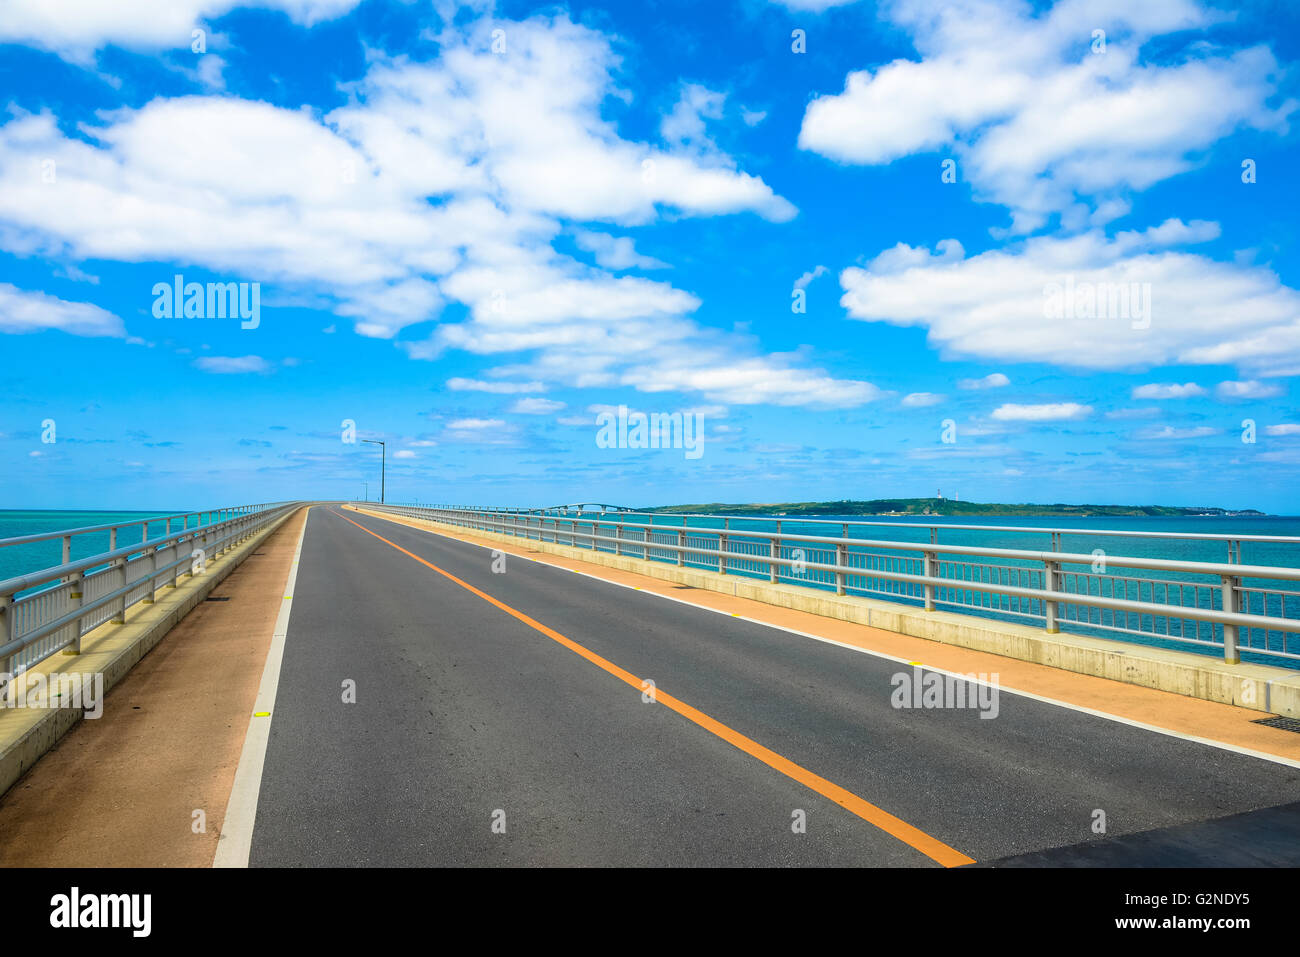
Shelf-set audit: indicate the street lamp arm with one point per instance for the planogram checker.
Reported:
(383, 465)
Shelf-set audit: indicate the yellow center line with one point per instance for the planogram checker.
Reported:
(896, 827)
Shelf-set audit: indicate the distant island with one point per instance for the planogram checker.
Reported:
(945, 506)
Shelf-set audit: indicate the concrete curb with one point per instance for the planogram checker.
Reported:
(113, 650)
(1257, 687)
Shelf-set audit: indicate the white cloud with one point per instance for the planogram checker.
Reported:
(708, 411)
(536, 406)
(76, 28)
(939, 453)
(684, 125)
(918, 400)
(812, 6)
(209, 72)
(1168, 390)
(403, 454)
(1252, 389)
(976, 427)
(803, 281)
(750, 381)
(1035, 119)
(513, 150)
(625, 331)
(232, 365)
(615, 252)
(1048, 412)
(1002, 304)
(461, 425)
(232, 185)
(383, 309)
(478, 431)
(1285, 429)
(1172, 232)
(539, 301)
(1170, 432)
(498, 388)
(23, 311)
(994, 380)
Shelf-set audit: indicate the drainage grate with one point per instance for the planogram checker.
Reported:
(226, 598)
(1286, 724)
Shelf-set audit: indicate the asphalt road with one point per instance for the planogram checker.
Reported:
(476, 739)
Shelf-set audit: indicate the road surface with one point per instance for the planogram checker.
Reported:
(500, 718)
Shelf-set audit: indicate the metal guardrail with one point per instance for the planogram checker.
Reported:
(50, 610)
(1230, 607)
(1056, 534)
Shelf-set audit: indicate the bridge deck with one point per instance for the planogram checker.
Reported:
(463, 710)
(517, 697)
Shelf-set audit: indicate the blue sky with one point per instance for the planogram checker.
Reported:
(475, 227)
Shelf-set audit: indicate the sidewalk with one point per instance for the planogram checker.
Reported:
(121, 791)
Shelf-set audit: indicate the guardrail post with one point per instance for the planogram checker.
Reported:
(1230, 604)
(6, 627)
(1051, 608)
(927, 569)
(722, 553)
(10, 632)
(841, 560)
(776, 554)
(153, 577)
(76, 599)
(618, 539)
(120, 617)
(681, 545)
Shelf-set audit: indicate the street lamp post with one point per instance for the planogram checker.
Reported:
(383, 466)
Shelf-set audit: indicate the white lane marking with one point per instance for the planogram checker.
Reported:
(236, 841)
(1208, 742)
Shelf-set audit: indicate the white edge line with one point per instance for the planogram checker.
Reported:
(236, 840)
(1208, 742)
